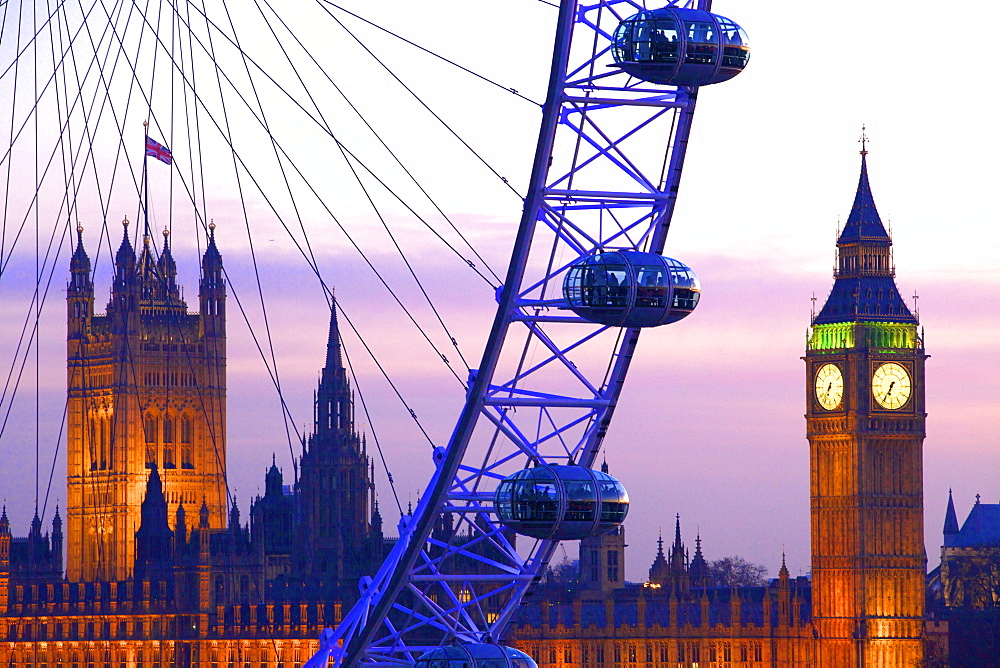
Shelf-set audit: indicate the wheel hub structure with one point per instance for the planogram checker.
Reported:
(605, 177)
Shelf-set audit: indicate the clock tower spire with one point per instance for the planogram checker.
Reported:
(865, 425)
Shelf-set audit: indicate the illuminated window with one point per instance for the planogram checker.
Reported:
(187, 450)
(168, 443)
(149, 426)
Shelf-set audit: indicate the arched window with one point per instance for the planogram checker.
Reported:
(92, 441)
(149, 427)
(187, 450)
(168, 443)
(105, 433)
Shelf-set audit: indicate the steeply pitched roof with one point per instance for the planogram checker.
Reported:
(950, 518)
(863, 223)
(864, 289)
(982, 526)
(868, 298)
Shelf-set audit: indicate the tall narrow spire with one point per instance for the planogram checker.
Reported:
(125, 255)
(864, 289)
(334, 359)
(863, 223)
(950, 522)
(80, 263)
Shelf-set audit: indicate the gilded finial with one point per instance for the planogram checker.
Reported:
(145, 124)
(125, 223)
(166, 232)
(864, 141)
(79, 228)
(211, 225)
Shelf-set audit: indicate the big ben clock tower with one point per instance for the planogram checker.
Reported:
(865, 424)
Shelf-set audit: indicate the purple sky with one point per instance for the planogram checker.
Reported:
(711, 423)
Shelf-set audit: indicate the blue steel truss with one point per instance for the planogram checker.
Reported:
(606, 175)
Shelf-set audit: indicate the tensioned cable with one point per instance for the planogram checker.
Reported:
(378, 364)
(509, 89)
(309, 115)
(246, 219)
(120, 132)
(332, 302)
(371, 424)
(425, 106)
(250, 175)
(392, 153)
(253, 179)
(288, 188)
(33, 114)
(59, 143)
(146, 205)
(329, 132)
(96, 264)
(409, 267)
(13, 109)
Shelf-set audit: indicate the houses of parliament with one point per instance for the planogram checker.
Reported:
(160, 569)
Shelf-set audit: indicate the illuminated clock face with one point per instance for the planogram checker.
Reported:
(891, 385)
(829, 386)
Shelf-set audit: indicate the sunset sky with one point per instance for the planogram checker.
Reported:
(711, 421)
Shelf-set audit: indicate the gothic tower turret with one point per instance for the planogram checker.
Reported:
(335, 540)
(79, 292)
(154, 539)
(146, 389)
(212, 290)
(865, 425)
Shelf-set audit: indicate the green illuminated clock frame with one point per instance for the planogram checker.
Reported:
(891, 385)
(829, 386)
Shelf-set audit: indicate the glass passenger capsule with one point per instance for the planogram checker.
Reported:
(680, 47)
(561, 502)
(631, 289)
(474, 655)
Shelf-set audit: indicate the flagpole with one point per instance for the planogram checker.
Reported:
(145, 180)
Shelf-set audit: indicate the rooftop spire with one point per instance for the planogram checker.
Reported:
(334, 359)
(864, 223)
(950, 521)
(79, 265)
(125, 253)
(865, 289)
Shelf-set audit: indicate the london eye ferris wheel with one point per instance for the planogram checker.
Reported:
(586, 273)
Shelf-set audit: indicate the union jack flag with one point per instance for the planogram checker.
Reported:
(158, 151)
